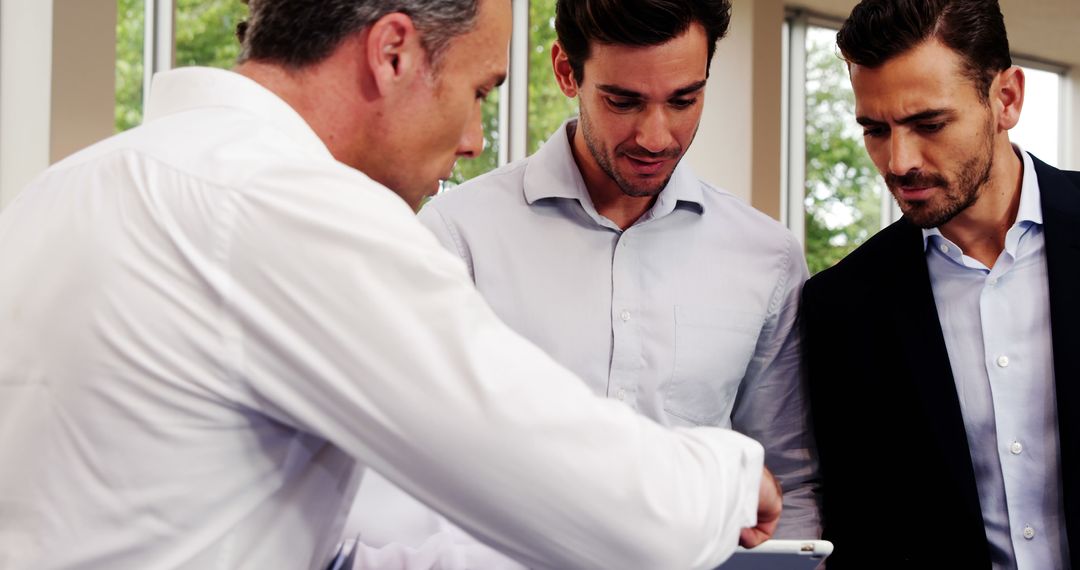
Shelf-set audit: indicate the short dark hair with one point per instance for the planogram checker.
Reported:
(879, 30)
(297, 33)
(578, 23)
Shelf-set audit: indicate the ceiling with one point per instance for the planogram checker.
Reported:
(1046, 30)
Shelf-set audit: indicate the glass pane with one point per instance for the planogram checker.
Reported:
(1040, 118)
(547, 107)
(489, 159)
(130, 20)
(845, 196)
(206, 32)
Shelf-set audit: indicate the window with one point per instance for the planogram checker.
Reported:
(547, 105)
(203, 32)
(836, 198)
(1039, 129)
(129, 63)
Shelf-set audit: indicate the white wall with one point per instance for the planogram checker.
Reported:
(738, 144)
(84, 74)
(25, 87)
(1071, 108)
(57, 83)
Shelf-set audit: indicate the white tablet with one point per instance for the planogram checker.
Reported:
(780, 555)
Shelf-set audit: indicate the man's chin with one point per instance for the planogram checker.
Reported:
(922, 216)
(638, 187)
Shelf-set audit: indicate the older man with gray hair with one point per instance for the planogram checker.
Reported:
(214, 322)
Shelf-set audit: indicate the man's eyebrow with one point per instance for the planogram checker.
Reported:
(620, 91)
(624, 92)
(693, 87)
(927, 115)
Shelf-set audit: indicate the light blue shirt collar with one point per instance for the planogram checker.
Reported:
(1030, 210)
(552, 173)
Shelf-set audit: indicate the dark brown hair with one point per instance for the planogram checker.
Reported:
(579, 23)
(879, 30)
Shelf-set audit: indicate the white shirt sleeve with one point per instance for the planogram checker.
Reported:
(348, 320)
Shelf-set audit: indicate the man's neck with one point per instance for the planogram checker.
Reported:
(608, 199)
(980, 229)
(323, 96)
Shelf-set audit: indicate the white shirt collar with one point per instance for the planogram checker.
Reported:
(189, 88)
(553, 173)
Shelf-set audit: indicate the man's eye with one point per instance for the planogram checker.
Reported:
(874, 132)
(622, 104)
(931, 127)
(682, 103)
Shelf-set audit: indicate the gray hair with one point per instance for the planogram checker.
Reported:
(297, 33)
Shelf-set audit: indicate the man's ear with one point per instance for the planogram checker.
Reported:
(1007, 96)
(564, 73)
(394, 52)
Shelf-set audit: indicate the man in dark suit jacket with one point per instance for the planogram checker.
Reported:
(942, 354)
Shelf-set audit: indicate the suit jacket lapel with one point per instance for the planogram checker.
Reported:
(1061, 224)
(923, 347)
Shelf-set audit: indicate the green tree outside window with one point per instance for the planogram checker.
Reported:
(843, 188)
(547, 107)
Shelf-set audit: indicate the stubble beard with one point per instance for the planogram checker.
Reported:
(605, 161)
(956, 196)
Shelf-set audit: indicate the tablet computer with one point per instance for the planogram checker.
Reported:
(780, 555)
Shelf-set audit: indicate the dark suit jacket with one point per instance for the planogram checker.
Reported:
(894, 455)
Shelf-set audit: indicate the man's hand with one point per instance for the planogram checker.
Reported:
(768, 512)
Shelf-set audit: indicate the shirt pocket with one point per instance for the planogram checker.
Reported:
(713, 348)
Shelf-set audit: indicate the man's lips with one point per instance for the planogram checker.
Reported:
(916, 193)
(646, 166)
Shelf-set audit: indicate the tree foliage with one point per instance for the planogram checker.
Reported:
(843, 188)
(548, 107)
(129, 63)
(204, 34)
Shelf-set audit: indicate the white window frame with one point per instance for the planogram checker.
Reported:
(159, 47)
(1063, 93)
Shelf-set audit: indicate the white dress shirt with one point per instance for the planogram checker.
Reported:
(208, 327)
(996, 323)
(687, 316)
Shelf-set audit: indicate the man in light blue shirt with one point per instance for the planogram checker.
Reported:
(955, 328)
(606, 250)
(660, 290)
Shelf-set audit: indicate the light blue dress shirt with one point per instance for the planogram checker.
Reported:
(996, 323)
(688, 315)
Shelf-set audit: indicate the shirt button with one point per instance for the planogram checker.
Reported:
(1029, 533)
(621, 395)
(625, 315)
(1003, 361)
(944, 248)
(1016, 448)
(992, 281)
